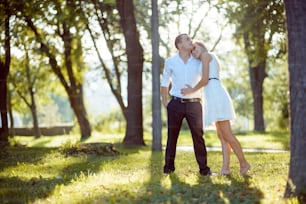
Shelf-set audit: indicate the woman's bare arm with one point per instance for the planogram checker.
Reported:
(205, 58)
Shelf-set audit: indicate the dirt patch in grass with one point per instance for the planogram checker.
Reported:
(104, 149)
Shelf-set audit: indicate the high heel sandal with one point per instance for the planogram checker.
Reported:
(245, 169)
(225, 172)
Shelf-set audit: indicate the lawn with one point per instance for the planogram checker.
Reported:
(45, 172)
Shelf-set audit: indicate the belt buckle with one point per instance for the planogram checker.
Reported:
(183, 100)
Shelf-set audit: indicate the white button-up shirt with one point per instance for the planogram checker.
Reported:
(180, 74)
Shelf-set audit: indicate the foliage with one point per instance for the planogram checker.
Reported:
(52, 106)
(197, 18)
(264, 21)
(276, 96)
(64, 111)
(236, 79)
(112, 122)
(104, 25)
(40, 174)
(204, 20)
(261, 27)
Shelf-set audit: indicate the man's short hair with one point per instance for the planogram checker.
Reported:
(178, 39)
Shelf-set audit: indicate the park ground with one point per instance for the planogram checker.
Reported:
(60, 170)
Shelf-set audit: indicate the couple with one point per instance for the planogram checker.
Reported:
(188, 71)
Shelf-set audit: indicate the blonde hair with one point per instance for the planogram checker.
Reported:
(200, 44)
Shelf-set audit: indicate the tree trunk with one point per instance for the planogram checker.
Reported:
(134, 129)
(4, 71)
(257, 75)
(76, 101)
(73, 88)
(296, 26)
(3, 93)
(11, 116)
(34, 115)
(32, 104)
(76, 89)
(156, 103)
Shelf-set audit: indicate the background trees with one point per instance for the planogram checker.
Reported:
(68, 32)
(260, 26)
(66, 59)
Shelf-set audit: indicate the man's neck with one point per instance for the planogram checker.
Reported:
(184, 55)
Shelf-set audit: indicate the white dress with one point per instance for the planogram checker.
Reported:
(217, 103)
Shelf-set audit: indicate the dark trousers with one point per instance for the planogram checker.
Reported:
(192, 111)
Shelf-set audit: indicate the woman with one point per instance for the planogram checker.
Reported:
(218, 107)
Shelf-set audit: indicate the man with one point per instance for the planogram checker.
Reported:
(181, 70)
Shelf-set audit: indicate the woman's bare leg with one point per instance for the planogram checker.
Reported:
(226, 153)
(226, 133)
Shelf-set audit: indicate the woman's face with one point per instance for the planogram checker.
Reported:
(196, 51)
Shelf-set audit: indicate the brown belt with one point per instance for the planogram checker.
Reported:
(186, 100)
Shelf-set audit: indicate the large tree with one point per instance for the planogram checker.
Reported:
(66, 61)
(5, 61)
(121, 44)
(134, 52)
(296, 26)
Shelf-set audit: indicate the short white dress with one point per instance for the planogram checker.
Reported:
(217, 103)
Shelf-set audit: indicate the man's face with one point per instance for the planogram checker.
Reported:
(186, 43)
(196, 51)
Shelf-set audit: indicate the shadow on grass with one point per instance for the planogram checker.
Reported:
(11, 156)
(237, 190)
(16, 189)
(206, 189)
(161, 188)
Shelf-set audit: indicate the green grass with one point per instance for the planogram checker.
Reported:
(42, 173)
(269, 140)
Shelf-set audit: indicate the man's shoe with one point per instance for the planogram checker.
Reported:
(168, 170)
(208, 173)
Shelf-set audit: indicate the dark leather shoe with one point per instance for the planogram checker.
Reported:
(168, 170)
(207, 173)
